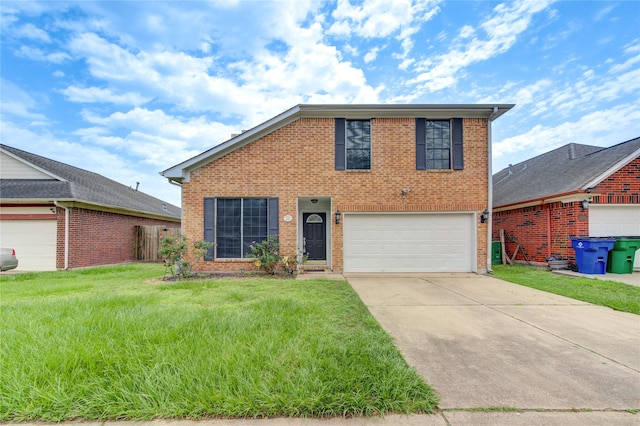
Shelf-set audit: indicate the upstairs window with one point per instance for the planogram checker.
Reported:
(439, 144)
(358, 145)
(353, 144)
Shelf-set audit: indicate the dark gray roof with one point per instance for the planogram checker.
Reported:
(80, 185)
(572, 167)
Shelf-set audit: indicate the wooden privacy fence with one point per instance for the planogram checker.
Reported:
(147, 241)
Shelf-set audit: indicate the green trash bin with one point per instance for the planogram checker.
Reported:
(622, 256)
(496, 253)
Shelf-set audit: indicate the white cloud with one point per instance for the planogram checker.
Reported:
(502, 29)
(602, 128)
(373, 18)
(159, 138)
(32, 32)
(631, 49)
(39, 55)
(97, 95)
(382, 18)
(19, 104)
(371, 55)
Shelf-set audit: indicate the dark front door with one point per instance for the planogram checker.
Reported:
(314, 232)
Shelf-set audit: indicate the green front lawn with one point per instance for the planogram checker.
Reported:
(116, 343)
(618, 296)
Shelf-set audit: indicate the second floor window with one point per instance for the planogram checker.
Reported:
(438, 144)
(358, 144)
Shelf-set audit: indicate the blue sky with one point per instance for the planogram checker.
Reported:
(130, 88)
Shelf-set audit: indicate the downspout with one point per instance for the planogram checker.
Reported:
(548, 206)
(66, 234)
(492, 116)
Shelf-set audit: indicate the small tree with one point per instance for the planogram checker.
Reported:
(174, 251)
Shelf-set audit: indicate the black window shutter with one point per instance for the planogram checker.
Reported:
(458, 149)
(421, 144)
(340, 148)
(209, 224)
(272, 216)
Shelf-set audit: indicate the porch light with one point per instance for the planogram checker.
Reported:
(485, 216)
(338, 217)
(584, 205)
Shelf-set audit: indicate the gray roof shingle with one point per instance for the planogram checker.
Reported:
(81, 186)
(568, 168)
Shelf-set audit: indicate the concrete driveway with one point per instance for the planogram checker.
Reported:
(484, 343)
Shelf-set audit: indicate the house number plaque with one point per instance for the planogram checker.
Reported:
(287, 218)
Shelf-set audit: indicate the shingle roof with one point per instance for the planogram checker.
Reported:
(569, 168)
(81, 186)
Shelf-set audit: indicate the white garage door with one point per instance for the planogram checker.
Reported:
(34, 242)
(615, 221)
(409, 242)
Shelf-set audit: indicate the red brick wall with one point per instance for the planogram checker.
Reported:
(99, 238)
(298, 161)
(622, 187)
(530, 226)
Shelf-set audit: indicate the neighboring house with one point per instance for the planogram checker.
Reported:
(356, 188)
(573, 191)
(58, 216)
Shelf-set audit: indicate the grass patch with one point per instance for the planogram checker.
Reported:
(105, 343)
(615, 295)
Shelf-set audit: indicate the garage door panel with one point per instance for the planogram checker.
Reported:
(409, 243)
(615, 221)
(34, 242)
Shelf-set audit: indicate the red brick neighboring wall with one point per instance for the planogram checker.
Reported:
(529, 225)
(623, 187)
(298, 161)
(99, 238)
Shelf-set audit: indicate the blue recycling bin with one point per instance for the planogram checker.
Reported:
(592, 253)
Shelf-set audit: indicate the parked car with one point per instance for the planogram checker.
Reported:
(8, 259)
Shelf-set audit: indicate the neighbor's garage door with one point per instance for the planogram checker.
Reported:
(615, 221)
(409, 243)
(34, 242)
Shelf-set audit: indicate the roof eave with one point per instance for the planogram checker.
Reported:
(73, 202)
(565, 197)
(180, 172)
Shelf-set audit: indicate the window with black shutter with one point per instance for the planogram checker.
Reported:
(234, 224)
(439, 144)
(353, 144)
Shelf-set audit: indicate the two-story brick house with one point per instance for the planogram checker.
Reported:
(356, 188)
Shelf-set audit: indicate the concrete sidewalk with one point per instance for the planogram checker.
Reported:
(485, 344)
(631, 279)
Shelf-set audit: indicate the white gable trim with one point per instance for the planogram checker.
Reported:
(33, 166)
